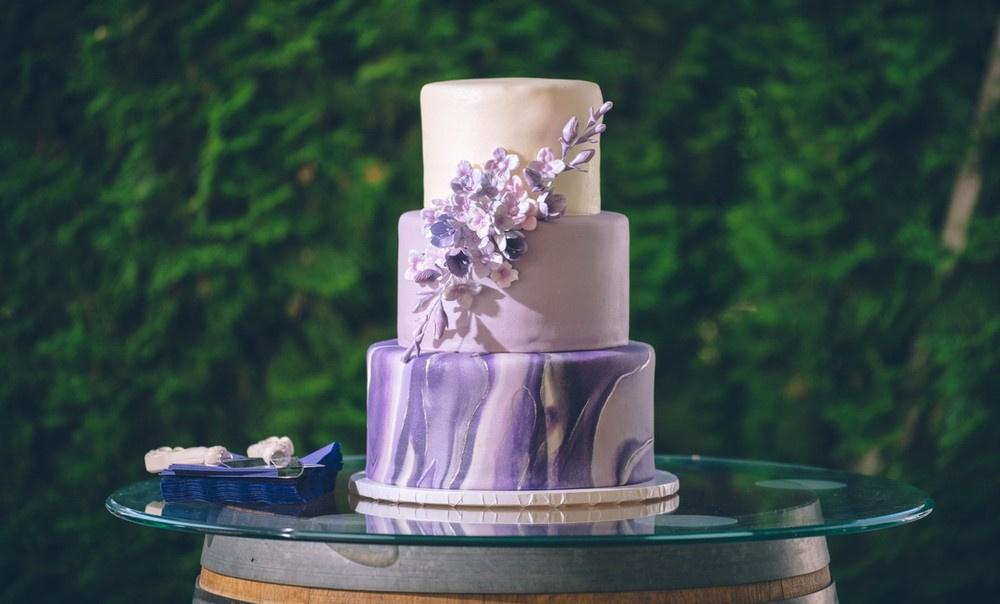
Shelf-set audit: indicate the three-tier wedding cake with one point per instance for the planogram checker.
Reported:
(513, 369)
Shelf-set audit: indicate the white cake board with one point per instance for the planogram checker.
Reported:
(536, 515)
(662, 485)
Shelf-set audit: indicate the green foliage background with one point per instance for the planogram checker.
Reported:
(198, 204)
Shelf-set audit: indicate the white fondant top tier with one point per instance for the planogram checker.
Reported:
(467, 119)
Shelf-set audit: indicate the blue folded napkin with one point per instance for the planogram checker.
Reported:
(256, 486)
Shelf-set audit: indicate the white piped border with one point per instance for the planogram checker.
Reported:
(662, 485)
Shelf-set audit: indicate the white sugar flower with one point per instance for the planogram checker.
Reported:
(527, 215)
(463, 292)
(479, 221)
(504, 275)
(415, 264)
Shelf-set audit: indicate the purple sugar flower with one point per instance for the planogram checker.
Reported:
(515, 245)
(546, 165)
(487, 187)
(429, 214)
(507, 211)
(457, 205)
(466, 179)
(551, 205)
(445, 231)
(534, 179)
(515, 187)
(457, 262)
(502, 164)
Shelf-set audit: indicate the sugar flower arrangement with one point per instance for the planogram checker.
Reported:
(478, 232)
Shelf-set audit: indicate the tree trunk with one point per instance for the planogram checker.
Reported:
(965, 192)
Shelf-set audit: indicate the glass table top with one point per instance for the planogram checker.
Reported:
(719, 499)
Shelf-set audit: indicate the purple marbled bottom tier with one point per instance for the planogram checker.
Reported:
(510, 421)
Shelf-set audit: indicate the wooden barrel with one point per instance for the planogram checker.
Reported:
(792, 571)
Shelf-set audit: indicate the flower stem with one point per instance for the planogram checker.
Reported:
(418, 332)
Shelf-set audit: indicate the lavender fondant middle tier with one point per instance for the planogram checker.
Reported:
(510, 421)
(571, 294)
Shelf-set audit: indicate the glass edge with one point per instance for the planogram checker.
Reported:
(880, 523)
(918, 512)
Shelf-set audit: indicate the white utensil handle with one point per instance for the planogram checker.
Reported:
(274, 450)
(160, 459)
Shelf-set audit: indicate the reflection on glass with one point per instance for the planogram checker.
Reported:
(628, 519)
(719, 498)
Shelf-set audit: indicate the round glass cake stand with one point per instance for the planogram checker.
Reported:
(739, 531)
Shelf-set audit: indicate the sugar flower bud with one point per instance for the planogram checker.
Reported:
(581, 158)
(569, 130)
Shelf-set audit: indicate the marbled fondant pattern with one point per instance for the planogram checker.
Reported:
(510, 421)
